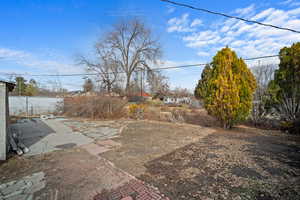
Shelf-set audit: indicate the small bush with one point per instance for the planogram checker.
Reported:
(292, 127)
(155, 102)
(295, 128)
(137, 111)
(152, 113)
(100, 107)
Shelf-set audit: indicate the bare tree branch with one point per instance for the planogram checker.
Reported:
(133, 47)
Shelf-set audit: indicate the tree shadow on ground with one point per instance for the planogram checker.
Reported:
(31, 131)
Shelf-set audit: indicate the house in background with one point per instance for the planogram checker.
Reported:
(139, 97)
(176, 100)
(145, 95)
(5, 88)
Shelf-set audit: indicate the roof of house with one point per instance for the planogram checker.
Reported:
(10, 85)
(144, 94)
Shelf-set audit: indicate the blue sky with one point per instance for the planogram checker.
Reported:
(45, 36)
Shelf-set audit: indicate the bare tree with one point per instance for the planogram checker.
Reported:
(133, 47)
(263, 74)
(158, 83)
(181, 92)
(106, 66)
(88, 85)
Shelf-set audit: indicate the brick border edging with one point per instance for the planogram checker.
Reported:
(132, 190)
(142, 190)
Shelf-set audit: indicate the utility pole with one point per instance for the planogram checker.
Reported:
(141, 82)
(19, 87)
(27, 114)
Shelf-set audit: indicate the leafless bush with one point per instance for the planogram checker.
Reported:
(100, 107)
(263, 74)
(178, 115)
(289, 107)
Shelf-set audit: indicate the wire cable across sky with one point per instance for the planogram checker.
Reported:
(230, 16)
(154, 69)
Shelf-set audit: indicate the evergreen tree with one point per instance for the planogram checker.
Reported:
(284, 90)
(88, 85)
(201, 88)
(31, 88)
(20, 88)
(229, 88)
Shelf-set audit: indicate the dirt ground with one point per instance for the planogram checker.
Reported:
(144, 141)
(188, 162)
(71, 174)
(184, 161)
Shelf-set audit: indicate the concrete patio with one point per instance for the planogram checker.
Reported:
(42, 136)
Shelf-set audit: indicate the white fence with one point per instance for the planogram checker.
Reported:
(22, 105)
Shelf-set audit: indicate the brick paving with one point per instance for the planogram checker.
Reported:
(132, 190)
(22, 189)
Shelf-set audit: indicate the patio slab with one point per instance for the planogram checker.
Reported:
(24, 188)
(42, 136)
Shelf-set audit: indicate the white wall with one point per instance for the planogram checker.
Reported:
(3, 120)
(36, 105)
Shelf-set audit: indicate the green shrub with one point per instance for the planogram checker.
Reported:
(227, 88)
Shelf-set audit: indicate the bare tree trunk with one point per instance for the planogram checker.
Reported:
(109, 89)
(127, 89)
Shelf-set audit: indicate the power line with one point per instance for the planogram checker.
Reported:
(155, 69)
(256, 58)
(229, 16)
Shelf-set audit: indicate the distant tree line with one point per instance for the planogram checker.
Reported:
(32, 88)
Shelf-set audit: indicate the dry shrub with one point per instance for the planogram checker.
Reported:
(153, 113)
(137, 111)
(200, 117)
(100, 107)
(194, 110)
(165, 108)
(178, 115)
(154, 102)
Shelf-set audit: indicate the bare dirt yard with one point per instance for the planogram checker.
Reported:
(190, 162)
(69, 174)
(182, 160)
(144, 141)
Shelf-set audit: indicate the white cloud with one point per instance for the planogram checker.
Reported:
(286, 2)
(179, 24)
(170, 63)
(183, 24)
(290, 3)
(9, 53)
(248, 40)
(202, 53)
(29, 61)
(170, 10)
(196, 22)
(263, 14)
(245, 11)
(295, 11)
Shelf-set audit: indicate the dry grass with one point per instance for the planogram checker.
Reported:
(95, 107)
